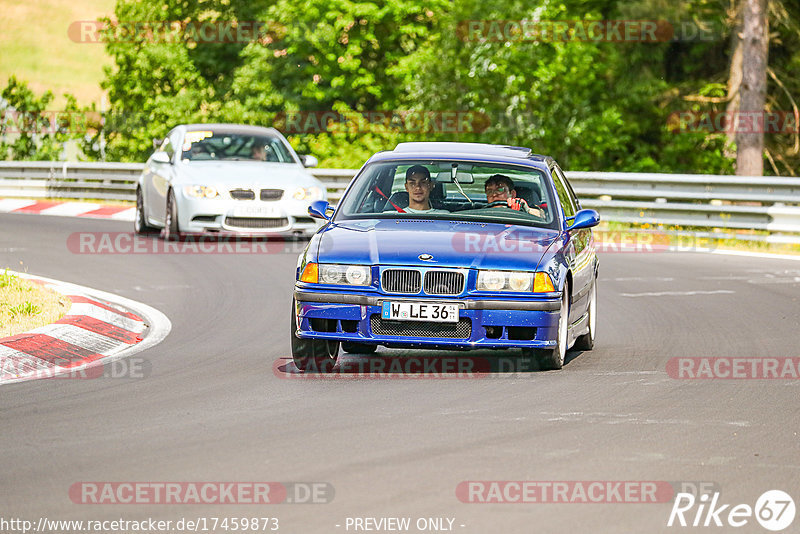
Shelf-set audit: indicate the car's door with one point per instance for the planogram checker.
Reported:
(579, 253)
(160, 176)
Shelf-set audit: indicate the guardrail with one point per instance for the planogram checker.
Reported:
(720, 204)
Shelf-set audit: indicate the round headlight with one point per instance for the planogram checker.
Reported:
(356, 275)
(520, 281)
(329, 274)
(494, 280)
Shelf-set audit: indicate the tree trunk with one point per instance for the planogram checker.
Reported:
(734, 75)
(750, 123)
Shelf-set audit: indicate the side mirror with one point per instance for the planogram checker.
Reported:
(320, 209)
(584, 219)
(157, 143)
(309, 161)
(160, 157)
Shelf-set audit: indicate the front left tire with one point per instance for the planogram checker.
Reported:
(312, 355)
(553, 359)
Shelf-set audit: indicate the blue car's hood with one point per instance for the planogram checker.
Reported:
(451, 243)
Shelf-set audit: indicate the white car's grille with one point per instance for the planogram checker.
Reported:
(255, 222)
(243, 194)
(271, 194)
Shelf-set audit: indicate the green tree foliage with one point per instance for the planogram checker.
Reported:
(594, 105)
(30, 130)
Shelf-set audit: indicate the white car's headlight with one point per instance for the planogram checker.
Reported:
(307, 193)
(516, 281)
(200, 191)
(351, 275)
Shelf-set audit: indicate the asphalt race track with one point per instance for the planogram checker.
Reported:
(212, 409)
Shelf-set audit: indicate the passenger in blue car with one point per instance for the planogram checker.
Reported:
(419, 187)
(500, 188)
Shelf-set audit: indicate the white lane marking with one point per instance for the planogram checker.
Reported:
(756, 255)
(69, 209)
(11, 204)
(678, 293)
(84, 308)
(127, 215)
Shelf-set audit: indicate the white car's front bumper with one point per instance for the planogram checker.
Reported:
(247, 217)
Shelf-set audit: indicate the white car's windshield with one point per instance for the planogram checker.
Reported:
(438, 190)
(204, 145)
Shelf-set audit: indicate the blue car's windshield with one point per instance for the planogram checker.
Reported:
(438, 190)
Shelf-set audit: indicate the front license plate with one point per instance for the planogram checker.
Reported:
(418, 311)
(255, 211)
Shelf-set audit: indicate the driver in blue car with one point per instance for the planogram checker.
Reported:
(500, 187)
(419, 187)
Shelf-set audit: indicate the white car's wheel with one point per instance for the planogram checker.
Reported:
(172, 228)
(140, 225)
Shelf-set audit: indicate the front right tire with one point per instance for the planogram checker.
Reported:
(172, 230)
(140, 225)
(312, 355)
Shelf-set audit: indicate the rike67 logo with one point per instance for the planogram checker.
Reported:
(774, 510)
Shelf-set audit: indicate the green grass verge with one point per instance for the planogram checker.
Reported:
(25, 305)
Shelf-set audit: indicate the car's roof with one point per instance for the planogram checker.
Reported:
(231, 128)
(481, 152)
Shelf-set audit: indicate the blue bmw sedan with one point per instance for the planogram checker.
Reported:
(449, 246)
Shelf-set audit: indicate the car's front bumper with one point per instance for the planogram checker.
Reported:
(488, 323)
(249, 217)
